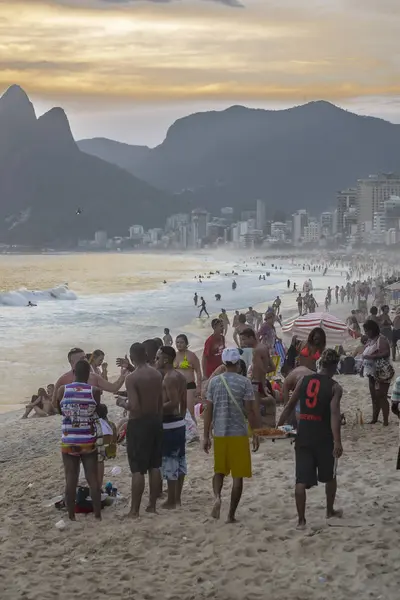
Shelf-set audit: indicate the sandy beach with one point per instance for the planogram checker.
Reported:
(186, 555)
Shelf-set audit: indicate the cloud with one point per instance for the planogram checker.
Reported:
(232, 3)
(190, 50)
(229, 3)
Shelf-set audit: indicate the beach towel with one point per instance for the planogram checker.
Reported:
(280, 350)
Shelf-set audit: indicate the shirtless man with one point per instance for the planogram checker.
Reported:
(241, 326)
(289, 385)
(262, 364)
(41, 405)
(174, 429)
(144, 431)
(95, 380)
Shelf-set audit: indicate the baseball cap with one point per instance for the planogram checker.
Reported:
(231, 355)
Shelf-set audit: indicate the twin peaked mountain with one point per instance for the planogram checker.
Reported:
(295, 158)
(45, 178)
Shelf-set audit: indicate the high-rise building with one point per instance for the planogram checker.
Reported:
(261, 215)
(312, 232)
(100, 238)
(346, 202)
(174, 222)
(371, 195)
(326, 223)
(300, 220)
(278, 231)
(391, 209)
(201, 217)
(136, 231)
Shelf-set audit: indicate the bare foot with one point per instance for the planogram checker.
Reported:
(301, 525)
(151, 509)
(231, 520)
(216, 511)
(168, 506)
(338, 514)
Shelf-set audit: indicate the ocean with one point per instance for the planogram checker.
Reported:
(109, 301)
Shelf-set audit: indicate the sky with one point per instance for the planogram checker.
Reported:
(127, 69)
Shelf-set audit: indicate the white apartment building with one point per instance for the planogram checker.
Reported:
(371, 195)
(100, 238)
(312, 232)
(278, 230)
(300, 221)
(136, 231)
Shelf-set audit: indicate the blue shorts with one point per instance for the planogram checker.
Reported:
(174, 450)
(173, 467)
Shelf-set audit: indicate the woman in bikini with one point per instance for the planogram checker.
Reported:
(188, 364)
(309, 352)
(97, 364)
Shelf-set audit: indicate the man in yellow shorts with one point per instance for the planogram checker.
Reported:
(230, 403)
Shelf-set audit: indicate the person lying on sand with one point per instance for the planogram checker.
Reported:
(41, 404)
(318, 442)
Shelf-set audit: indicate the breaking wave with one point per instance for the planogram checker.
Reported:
(23, 296)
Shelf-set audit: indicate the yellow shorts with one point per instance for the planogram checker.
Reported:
(232, 455)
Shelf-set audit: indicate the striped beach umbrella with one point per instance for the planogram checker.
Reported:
(336, 330)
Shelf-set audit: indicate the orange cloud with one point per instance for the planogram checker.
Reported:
(188, 49)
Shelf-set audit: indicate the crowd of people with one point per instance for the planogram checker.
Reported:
(233, 390)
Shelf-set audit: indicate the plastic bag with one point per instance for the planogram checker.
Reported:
(192, 432)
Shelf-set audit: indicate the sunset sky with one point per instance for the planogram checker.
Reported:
(126, 69)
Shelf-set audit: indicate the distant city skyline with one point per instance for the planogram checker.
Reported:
(127, 69)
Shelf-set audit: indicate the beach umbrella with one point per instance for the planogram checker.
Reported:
(336, 330)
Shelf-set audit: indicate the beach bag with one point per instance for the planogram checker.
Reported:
(83, 501)
(384, 371)
(192, 433)
(347, 366)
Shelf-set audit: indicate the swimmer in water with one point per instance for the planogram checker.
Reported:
(31, 304)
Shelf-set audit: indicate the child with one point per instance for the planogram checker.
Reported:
(109, 431)
(168, 341)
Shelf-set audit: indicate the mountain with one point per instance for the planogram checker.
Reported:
(45, 178)
(291, 158)
(123, 155)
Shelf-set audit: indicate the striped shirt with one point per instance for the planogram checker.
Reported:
(79, 419)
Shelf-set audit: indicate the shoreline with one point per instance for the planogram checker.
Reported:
(185, 553)
(199, 329)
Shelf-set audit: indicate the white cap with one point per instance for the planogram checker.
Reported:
(231, 355)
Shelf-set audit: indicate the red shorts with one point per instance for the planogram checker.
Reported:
(258, 387)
